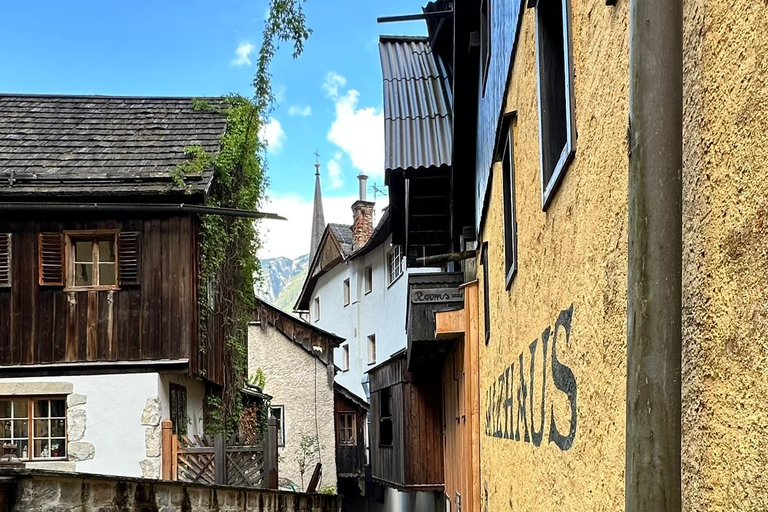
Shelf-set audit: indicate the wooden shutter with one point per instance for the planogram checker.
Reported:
(128, 257)
(5, 260)
(51, 259)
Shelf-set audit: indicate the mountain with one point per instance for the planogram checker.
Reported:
(281, 280)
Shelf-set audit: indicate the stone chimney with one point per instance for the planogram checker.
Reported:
(362, 213)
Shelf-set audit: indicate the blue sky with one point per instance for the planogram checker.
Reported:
(329, 99)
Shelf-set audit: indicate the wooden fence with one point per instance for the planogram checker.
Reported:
(217, 460)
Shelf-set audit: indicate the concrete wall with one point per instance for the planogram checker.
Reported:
(725, 297)
(49, 491)
(113, 421)
(572, 274)
(302, 384)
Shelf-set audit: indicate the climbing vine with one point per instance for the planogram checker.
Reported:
(228, 245)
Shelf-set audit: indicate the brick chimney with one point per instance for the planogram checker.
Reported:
(362, 213)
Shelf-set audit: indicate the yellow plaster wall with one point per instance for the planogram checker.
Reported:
(725, 262)
(575, 253)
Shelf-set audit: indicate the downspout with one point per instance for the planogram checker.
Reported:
(654, 294)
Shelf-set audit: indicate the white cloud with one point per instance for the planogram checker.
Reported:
(359, 132)
(291, 238)
(295, 110)
(273, 135)
(243, 54)
(334, 171)
(279, 93)
(333, 81)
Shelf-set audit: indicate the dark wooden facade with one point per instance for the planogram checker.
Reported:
(414, 460)
(350, 458)
(156, 320)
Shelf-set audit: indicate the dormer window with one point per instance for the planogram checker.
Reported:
(92, 257)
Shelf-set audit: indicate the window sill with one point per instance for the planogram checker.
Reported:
(395, 280)
(91, 288)
(369, 291)
(371, 364)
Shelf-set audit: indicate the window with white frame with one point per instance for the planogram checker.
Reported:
(394, 263)
(345, 357)
(368, 279)
(37, 426)
(316, 308)
(557, 127)
(278, 412)
(347, 292)
(372, 349)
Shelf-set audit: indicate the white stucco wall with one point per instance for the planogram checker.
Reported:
(122, 418)
(300, 383)
(380, 312)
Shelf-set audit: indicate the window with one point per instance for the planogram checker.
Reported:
(368, 279)
(345, 358)
(48, 418)
(372, 349)
(347, 292)
(486, 289)
(395, 263)
(278, 412)
(385, 417)
(92, 259)
(347, 427)
(179, 416)
(510, 220)
(5, 260)
(316, 303)
(485, 41)
(557, 128)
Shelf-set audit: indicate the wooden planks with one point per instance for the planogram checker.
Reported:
(154, 320)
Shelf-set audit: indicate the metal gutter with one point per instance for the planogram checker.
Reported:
(136, 207)
(654, 294)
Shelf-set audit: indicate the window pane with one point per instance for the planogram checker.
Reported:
(58, 448)
(5, 409)
(20, 428)
(58, 408)
(84, 274)
(21, 408)
(42, 449)
(107, 274)
(107, 250)
(41, 428)
(5, 429)
(22, 449)
(57, 428)
(83, 251)
(41, 409)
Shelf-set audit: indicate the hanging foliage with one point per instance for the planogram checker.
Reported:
(229, 244)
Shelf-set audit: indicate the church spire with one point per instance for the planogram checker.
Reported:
(318, 219)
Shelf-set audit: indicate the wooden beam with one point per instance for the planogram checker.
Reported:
(450, 324)
(167, 449)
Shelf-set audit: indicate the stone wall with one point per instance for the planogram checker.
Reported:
(48, 491)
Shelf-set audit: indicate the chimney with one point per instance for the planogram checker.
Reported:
(362, 213)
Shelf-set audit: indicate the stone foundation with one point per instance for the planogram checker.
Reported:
(27, 490)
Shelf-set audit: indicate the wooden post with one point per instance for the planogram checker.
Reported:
(175, 458)
(167, 449)
(270, 456)
(220, 458)
(315, 480)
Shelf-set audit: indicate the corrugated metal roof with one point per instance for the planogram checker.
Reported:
(418, 105)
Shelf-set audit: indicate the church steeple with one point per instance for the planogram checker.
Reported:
(318, 218)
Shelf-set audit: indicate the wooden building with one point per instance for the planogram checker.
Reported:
(99, 278)
(406, 427)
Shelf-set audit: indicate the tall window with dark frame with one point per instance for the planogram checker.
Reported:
(486, 291)
(385, 417)
(347, 425)
(557, 129)
(179, 418)
(485, 42)
(510, 219)
(278, 412)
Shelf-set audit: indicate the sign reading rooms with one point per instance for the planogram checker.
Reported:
(511, 412)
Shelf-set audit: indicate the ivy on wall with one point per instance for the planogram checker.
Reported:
(229, 244)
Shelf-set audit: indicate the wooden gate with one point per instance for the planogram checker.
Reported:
(216, 460)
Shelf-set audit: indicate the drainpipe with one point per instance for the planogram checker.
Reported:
(654, 294)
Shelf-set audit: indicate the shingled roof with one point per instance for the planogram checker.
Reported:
(343, 234)
(100, 145)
